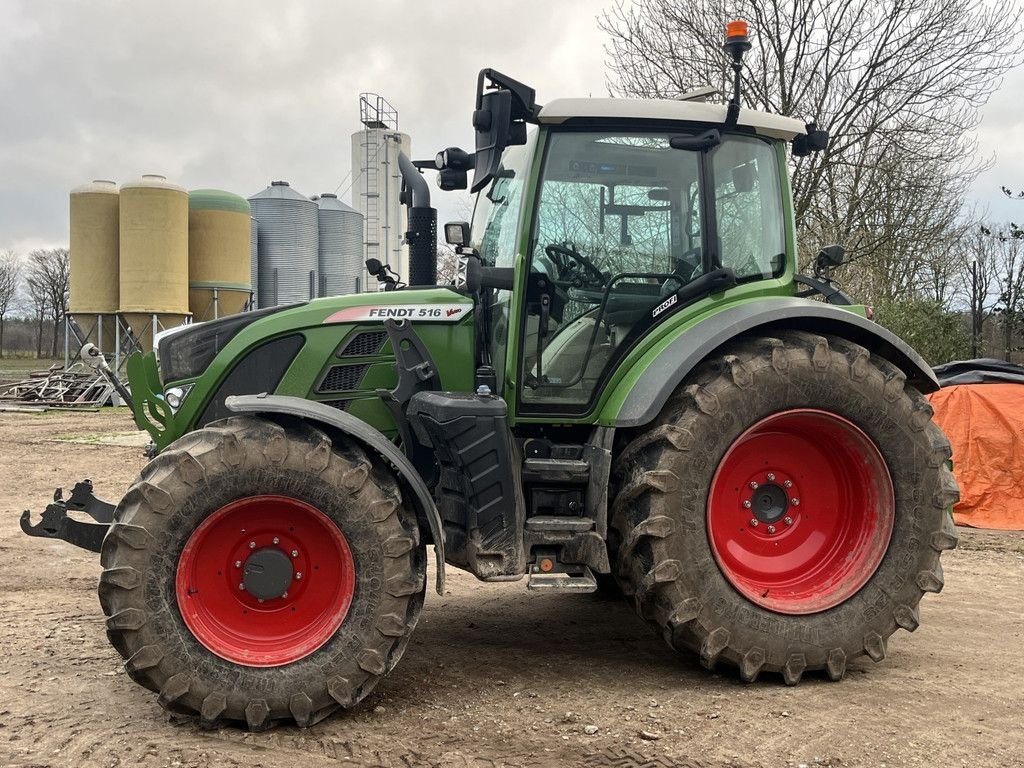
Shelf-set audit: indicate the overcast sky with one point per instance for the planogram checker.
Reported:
(232, 94)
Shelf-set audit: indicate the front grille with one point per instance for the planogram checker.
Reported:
(364, 344)
(343, 378)
(341, 405)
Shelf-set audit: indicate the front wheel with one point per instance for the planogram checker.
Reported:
(787, 511)
(257, 572)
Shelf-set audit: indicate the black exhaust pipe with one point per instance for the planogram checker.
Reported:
(422, 234)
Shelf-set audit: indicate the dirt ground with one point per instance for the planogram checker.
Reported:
(496, 675)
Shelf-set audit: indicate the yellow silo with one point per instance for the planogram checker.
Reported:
(219, 255)
(154, 256)
(93, 300)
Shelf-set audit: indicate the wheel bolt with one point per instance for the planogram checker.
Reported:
(284, 594)
(753, 522)
(252, 545)
(295, 553)
(277, 540)
(788, 521)
(787, 483)
(746, 504)
(771, 529)
(259, 599)
(242, 587)
(795, 501)
(771, 477)
(753, 484)
(298, 575)
(238, 563)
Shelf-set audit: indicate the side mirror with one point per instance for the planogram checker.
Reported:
(815, 140)
(492, 122)
(829, 257)
(456, 233)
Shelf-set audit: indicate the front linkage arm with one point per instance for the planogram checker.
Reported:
(57, 525)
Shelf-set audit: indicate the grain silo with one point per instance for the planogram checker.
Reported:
(287, 232)
(377, 184)
(341, 247)
(94, 240)
(153, 267)
(219, 254)
(253, 261)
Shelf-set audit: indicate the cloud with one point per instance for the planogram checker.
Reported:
(233, 94)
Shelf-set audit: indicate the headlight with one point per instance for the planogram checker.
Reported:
(175, 396)
(187, 354)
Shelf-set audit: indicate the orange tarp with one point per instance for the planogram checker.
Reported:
(985, 424)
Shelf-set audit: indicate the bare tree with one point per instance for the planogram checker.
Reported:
(39, 303)
(1007, 245)
(10, 279)
(977, 279)
(898, 85)
(50, 270)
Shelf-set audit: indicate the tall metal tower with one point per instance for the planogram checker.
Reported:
(378, 184)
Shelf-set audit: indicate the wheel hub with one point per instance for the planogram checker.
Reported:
(769, 503)
(800, 511)
(267, 573)
(265, 580)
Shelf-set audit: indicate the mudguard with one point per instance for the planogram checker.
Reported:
(644, 401)
(338, 421)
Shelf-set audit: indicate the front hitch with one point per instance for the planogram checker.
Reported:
(56, 524)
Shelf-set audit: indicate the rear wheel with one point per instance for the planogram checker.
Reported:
(787, 511)
(257, 572)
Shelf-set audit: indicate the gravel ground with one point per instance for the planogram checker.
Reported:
(495, 675)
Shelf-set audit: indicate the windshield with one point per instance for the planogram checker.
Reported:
(623, 222)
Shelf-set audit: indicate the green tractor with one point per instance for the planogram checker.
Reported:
(627, 384)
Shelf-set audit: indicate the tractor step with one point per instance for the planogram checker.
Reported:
(560, 581)
(559, 523)
(555, 471)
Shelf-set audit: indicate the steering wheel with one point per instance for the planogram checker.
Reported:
(564, 255)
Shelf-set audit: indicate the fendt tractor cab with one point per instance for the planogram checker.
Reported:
(628, 380)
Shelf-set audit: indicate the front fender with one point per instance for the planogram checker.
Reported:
(337, 421)
(644, 397)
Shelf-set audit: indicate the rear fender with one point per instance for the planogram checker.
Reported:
(647, 395)
(338, 422)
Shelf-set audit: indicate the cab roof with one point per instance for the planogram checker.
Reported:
(763, 123)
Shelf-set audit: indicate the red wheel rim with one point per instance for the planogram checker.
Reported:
(218, 581)
(800, 511)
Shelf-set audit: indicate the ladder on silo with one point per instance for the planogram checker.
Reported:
(377, 116)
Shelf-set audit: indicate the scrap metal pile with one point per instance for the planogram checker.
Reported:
(76, 387)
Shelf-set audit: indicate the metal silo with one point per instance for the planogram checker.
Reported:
(341, 247)
(219, 253)
(153, 266)
(287, 244)
(253, 261)
(95, 245)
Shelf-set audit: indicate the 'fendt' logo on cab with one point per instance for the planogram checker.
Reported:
(381, 313)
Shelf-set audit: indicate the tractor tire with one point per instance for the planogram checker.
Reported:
(787, 510)
(203, 585)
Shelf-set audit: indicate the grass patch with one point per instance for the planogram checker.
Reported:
(22, 366)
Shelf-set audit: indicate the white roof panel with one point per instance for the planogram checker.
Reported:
(764, 123)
